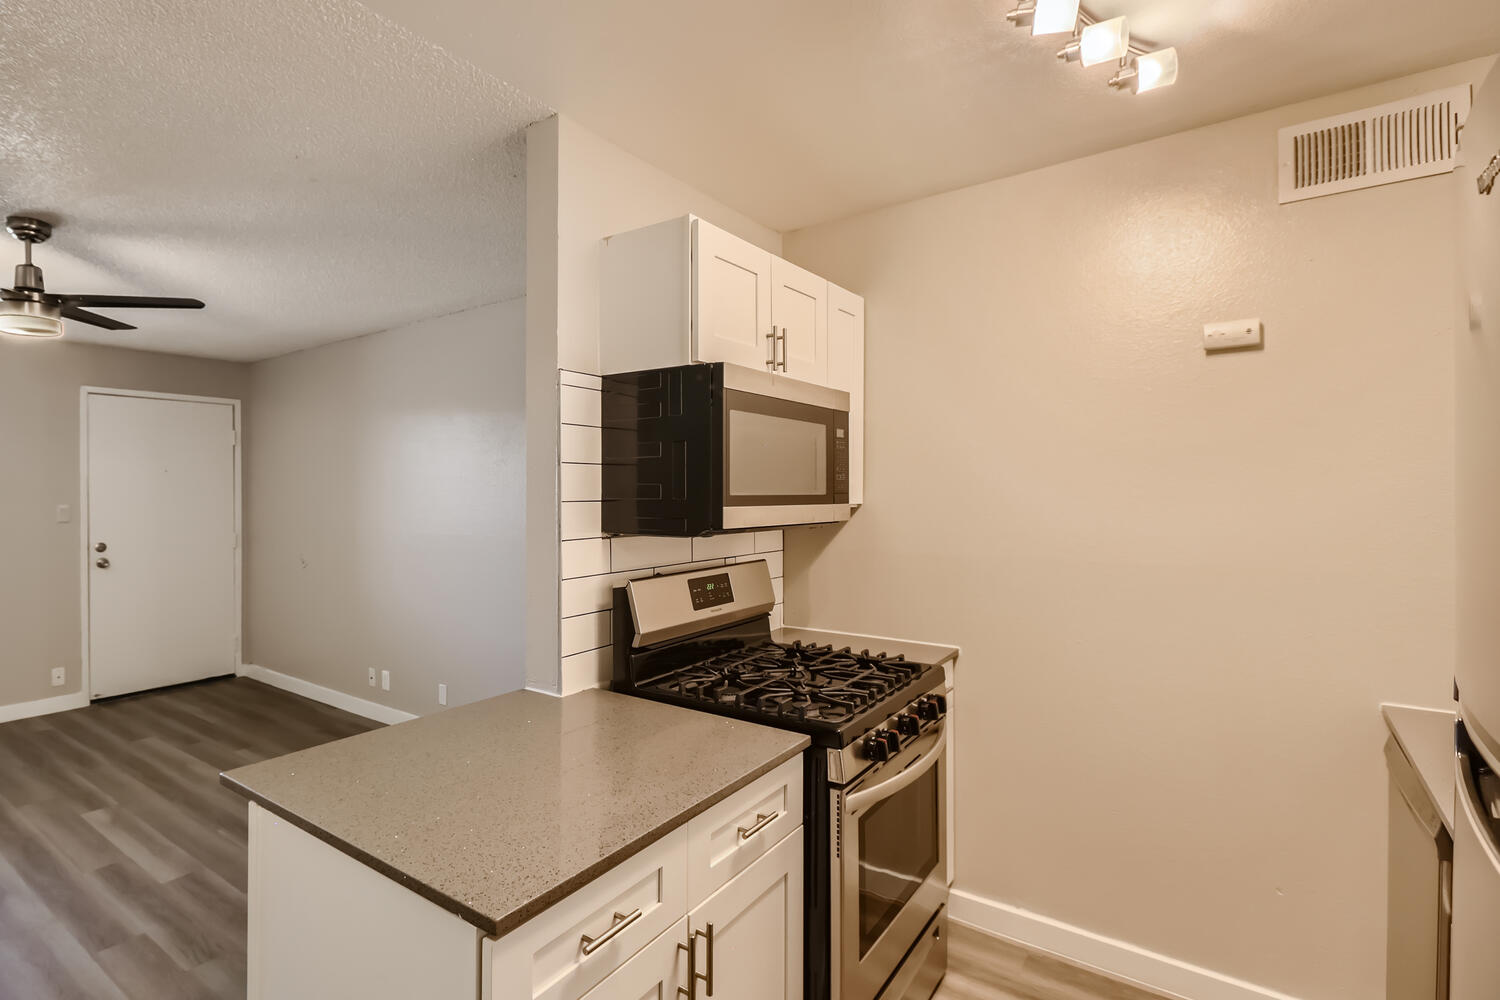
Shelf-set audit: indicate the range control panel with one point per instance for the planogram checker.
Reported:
(710, 591)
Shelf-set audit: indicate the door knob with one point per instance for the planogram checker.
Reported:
(100, 547)
(102, 563)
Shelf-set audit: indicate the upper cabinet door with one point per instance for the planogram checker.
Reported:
(799, 312)
(731, 300)
(846, 370)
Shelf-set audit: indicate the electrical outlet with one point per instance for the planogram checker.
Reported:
(372, 677)
(442, 694)
(1236, 335)
(385, 680)
(59, 676)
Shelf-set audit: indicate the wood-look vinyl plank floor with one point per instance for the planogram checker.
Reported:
(122, 858)
(982, 967)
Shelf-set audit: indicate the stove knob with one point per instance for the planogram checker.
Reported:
(908, 725)
(927, 708)
(942, 705)
(892, 740)
(876, 748)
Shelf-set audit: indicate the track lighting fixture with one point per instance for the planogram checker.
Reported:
(1095, 42)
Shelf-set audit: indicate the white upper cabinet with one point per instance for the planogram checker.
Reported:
(846, 370)
(684, 291)
(799, 312)
(733, 302)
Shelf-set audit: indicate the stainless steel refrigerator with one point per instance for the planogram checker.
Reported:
(1475, 970)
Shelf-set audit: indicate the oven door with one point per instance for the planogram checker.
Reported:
(891, 875)
(785, 453)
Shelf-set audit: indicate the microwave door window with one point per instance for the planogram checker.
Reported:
(772, 456)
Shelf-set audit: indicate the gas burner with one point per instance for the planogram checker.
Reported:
(801, 682)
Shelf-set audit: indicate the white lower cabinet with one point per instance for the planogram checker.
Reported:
(323, 926)
(657, 971)
(749, 933)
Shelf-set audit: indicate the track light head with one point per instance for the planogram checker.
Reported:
(1151, 71)
(1023, 15)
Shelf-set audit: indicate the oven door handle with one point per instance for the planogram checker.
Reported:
(868, 796)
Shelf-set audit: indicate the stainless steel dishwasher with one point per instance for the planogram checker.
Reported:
(1419, 887)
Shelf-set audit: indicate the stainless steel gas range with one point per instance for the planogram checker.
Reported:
(876, 809)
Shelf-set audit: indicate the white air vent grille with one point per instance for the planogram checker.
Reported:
(1417, 137)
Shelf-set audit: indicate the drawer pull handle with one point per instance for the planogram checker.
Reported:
(589, 945)
(761, 822)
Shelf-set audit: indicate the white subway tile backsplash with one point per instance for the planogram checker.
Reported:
(580, 379)
(720, 546)
(584, 632)
(579, 406)
(580, 520)
(640, 551)
(580, 444)
(587, 557)
(580, 482)
(582, 671)
(592, 565)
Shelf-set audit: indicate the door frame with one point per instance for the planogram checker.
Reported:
(84, 392)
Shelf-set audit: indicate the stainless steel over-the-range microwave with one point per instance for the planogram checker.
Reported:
(700, 449)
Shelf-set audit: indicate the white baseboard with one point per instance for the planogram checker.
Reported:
(1107, 956)
(326, 695)
(44, 706)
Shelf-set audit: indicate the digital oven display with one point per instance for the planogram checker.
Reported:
(710, 591)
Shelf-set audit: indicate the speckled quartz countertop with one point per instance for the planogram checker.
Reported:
(1426, 737)
(498, 809)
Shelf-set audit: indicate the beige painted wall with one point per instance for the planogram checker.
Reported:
(1181, 583)
(39, 558)
(580, 189)
(384, 515)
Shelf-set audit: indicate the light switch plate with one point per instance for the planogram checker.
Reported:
(1235, 335)
(64, 513)
(442, 694)
(385, 680)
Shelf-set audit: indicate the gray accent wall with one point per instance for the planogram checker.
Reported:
(385, 511)
(40, 603)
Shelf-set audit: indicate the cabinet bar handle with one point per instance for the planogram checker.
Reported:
(761, 822)
(782, 337)
(772, 338)
(691, 989)
(589, 945)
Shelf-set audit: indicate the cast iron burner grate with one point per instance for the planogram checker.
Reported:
(804, 682)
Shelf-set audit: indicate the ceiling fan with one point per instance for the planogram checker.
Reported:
(29, 310)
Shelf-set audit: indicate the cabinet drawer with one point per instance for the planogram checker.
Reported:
(729, 837)
(549, 958)
(655, 973)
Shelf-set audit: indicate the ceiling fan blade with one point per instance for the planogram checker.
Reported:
(93, 319)
(128, 302)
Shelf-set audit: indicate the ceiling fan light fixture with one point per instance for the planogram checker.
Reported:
(25, 318)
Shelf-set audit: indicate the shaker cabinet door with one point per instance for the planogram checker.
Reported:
(655, 973)
(846, 371)
(748, 935)
(799, 312)
(731, 299)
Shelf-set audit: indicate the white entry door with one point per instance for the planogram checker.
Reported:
(163, 576)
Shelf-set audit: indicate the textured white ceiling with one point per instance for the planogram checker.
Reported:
(309, 169)
(799, 111)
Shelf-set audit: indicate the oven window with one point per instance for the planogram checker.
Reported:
(771, 456)
(898, 849)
